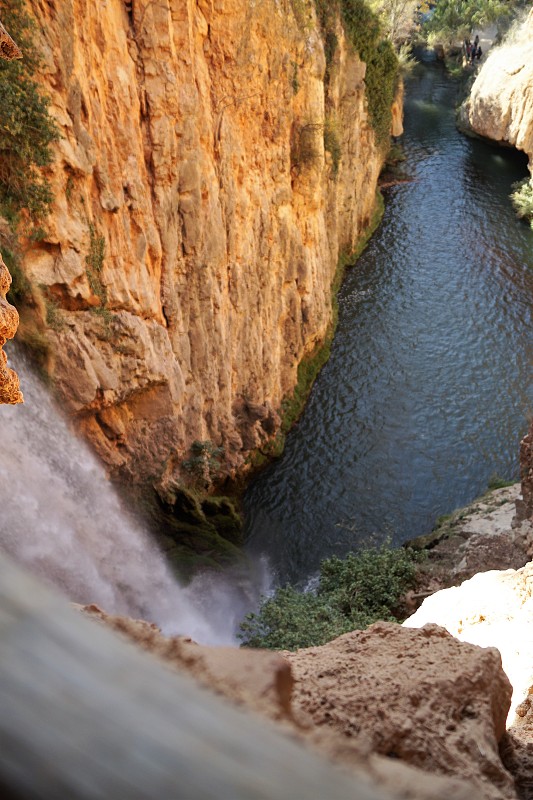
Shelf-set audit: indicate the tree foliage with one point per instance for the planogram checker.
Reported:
(398, 18)
(352, 593)
(364, 30)
(26, 129)
(454, 19)
(522, 199)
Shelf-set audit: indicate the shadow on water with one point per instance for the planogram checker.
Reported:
(428, 388)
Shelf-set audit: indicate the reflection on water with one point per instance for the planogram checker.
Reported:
(427, 391)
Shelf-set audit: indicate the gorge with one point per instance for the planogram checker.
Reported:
(182, 280)
(428, 388)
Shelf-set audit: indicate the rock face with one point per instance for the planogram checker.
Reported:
(500, 106)
(423, 699)
(198, 219)
(9, 382)
(495, 609)
(417, 712)
(492, 609)
(485, 535)
(524, 505)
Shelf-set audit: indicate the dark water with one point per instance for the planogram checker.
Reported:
(428, 388)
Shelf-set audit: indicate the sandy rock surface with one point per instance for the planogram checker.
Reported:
(424, 699)
(492, 609)
(415, 711)
(484, 535)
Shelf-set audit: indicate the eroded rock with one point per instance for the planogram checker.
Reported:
(500, 105)
(424, 699)
(416, 712)
(9, 383)
(190, 252)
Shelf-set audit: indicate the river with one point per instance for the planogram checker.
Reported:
(428, 388)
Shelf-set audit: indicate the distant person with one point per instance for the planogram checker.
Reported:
(479, 53)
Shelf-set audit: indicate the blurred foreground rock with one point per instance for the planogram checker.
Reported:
(417, 712)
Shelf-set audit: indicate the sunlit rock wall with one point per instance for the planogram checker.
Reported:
(193, 159)
(500, 106)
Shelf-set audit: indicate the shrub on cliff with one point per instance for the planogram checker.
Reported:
(364, 30)
(26, 129)
(522, 199)
(352, 593)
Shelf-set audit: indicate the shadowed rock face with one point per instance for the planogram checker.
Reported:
(9, 318)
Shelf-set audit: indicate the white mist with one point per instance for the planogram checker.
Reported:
(61, 518)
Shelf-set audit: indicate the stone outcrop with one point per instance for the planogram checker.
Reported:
(500, 106)
(495, 609)
(485, 535)
(422, 699)
(9, 382)
(417, 712)
(198, 219)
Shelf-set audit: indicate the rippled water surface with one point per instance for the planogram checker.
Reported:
(428, 388)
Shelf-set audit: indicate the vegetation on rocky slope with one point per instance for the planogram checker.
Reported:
(364, 30)
(26, 135)
(522, 199)
(27, 130)
(352, 593)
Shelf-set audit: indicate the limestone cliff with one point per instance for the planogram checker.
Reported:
(500, 106)
(198, 219)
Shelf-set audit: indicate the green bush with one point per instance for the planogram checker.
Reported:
(454, 19)
(332, 143)
(522, 199)
(94, 262)
(363, 30)
(352, 593)
(204, 462)
(26, 129)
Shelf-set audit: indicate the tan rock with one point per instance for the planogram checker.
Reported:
(492, 609)
(9, 383)
(500, 106)
(180, 124)
(438, 705)
(421, 698)
(257, 679)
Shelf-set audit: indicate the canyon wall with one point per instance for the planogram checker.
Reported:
(500, 106)
(186, 267)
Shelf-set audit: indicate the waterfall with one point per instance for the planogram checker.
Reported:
(61, 518)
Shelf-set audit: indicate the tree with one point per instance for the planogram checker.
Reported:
(452, 20)
(398, 18)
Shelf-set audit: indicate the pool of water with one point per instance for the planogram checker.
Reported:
(428, 388)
